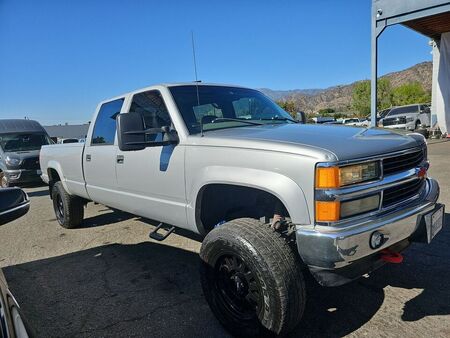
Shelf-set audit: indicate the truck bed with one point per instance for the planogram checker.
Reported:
(69, 157)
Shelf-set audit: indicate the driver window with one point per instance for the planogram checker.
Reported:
(151, 106)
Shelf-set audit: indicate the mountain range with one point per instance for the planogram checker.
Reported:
(340, 97)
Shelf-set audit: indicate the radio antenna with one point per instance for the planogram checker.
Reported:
(195, 66)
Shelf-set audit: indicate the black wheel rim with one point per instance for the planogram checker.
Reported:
(237, 287)
(59, 208)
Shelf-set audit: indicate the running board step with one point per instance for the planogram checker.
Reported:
(158, 236)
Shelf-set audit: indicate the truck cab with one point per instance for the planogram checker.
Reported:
(20, 144)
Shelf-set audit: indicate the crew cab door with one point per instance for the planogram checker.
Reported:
(99, 157)
(151, 180)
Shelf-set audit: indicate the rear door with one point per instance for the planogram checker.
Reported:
(99, 158)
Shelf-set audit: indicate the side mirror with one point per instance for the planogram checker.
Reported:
(14, 203)
(301, 117)
(132, 134)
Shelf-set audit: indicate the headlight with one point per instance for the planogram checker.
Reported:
(409, 119)
(12, 161)
(335, 177)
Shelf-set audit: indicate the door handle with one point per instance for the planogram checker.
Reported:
(120, 159)
(88, 158)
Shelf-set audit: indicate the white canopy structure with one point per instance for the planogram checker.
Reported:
(428, 17)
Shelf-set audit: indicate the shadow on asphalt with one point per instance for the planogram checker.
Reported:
(110, 217)
(150, 289)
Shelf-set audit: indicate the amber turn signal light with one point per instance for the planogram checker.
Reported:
(327, 177)
(328, 211)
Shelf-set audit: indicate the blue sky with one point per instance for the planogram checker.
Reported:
(59, 58)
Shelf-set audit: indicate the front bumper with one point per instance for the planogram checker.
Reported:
(397, 126)
(20, 176)
(345, 251)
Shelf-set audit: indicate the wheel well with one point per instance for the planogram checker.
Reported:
(53, 177)
(223, 202)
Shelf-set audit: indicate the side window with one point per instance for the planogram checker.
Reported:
(105, 124)
(152, 107)
(411, 110)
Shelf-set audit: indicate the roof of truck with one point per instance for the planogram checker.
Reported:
(17, 125)
(168, 85)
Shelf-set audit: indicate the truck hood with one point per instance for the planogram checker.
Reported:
(23, 154)
(321, 141)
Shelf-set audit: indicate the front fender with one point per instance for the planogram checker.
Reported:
(281, 186)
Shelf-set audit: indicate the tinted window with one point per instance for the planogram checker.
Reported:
(152, 107)
(105, 124)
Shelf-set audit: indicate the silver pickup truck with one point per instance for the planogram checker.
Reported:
(274, 198)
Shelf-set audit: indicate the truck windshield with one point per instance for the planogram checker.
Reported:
(217, 107)
(23, 141)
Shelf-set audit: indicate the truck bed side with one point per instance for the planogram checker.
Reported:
(65, 160)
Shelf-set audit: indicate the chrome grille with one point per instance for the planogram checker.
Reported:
(392, 165)
(401, 192)
(393, 121)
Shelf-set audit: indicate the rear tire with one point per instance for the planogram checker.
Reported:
(251, 278)
(69, 210)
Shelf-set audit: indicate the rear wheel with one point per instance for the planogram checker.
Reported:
(251, 279)
(69, 210)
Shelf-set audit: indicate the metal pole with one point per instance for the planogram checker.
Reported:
(374, 72)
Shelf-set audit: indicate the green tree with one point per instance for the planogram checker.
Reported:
(384, 94)
(361, 96)
(410, 93)
(326, 111)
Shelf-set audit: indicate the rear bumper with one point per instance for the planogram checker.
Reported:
(23, 176)
(338, 255)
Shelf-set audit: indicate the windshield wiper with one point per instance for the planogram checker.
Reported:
(228, 119)
(276, 118)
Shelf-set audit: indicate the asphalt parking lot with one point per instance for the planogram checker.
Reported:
(109, 279)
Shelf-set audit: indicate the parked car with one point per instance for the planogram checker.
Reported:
(407, 117)
(271, 197)
(14, 203)
(351, 121)
(20, 143)
(323, 119)
(68, 140)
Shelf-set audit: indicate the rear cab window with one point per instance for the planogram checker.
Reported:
(105, 124)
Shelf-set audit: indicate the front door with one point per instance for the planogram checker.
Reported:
(151, 180)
